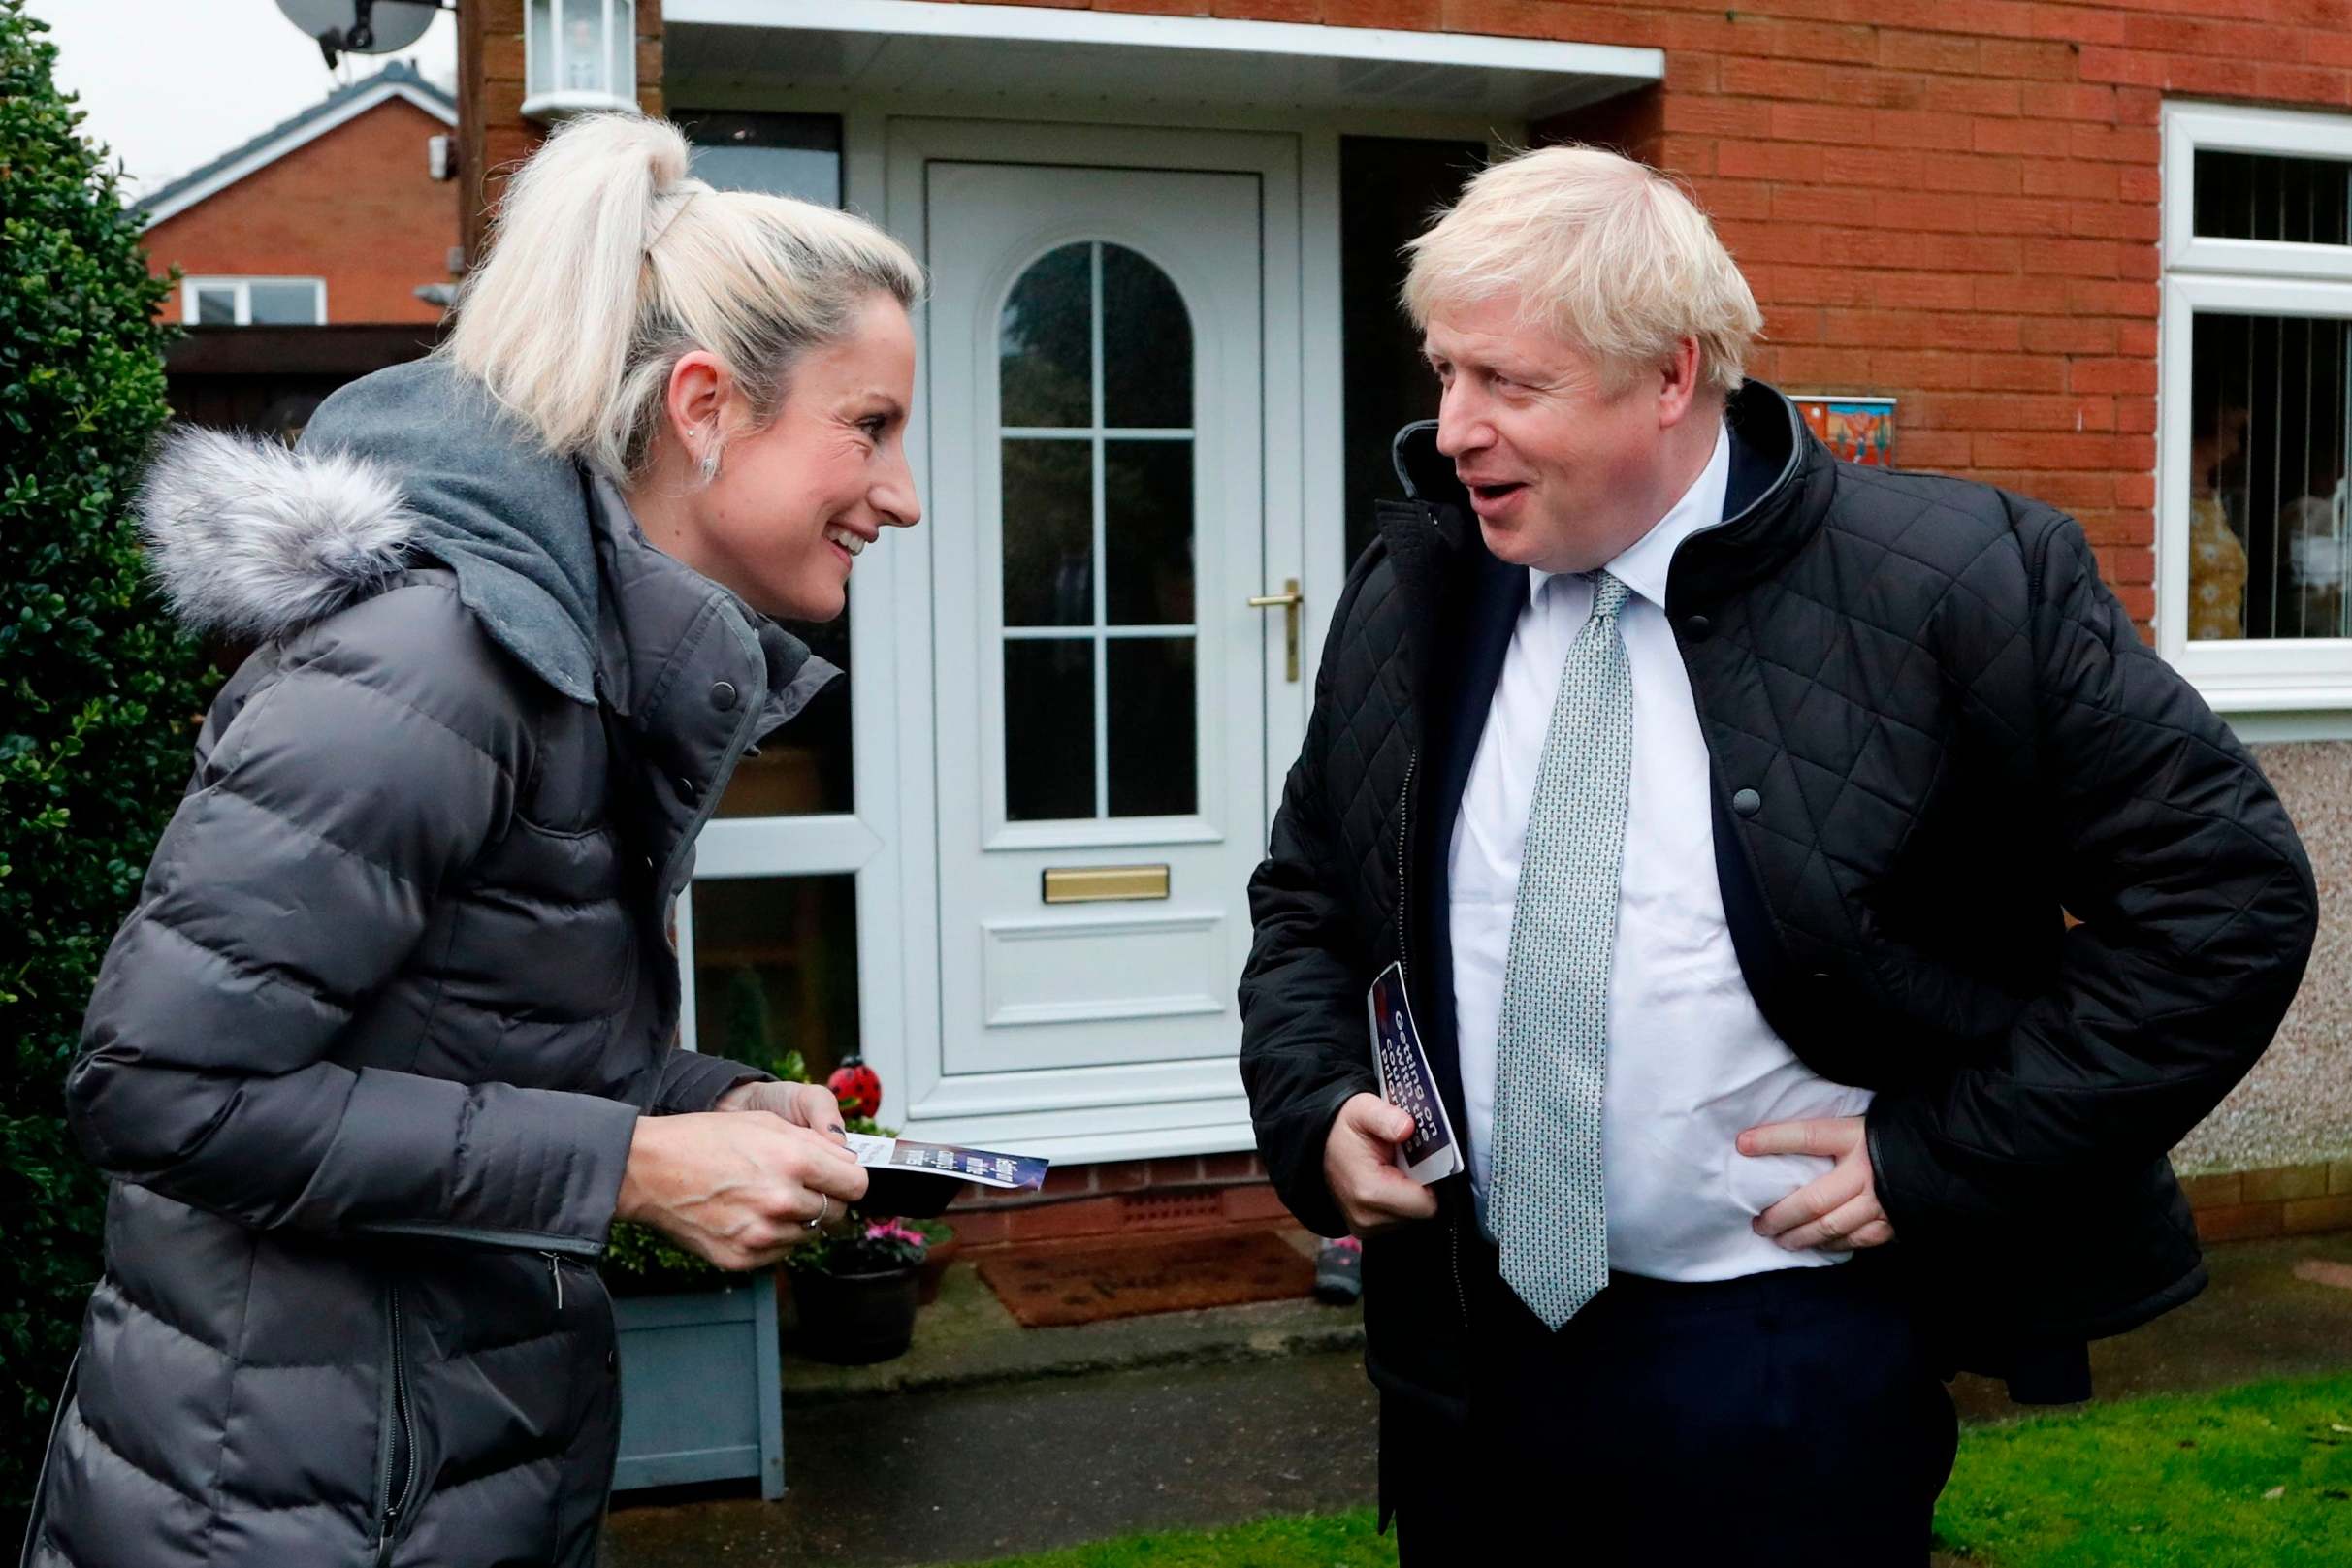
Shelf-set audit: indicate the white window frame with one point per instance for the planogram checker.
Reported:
(243, 288)
(2289, 682)
(2193, 128)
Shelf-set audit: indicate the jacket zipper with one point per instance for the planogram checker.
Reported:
(539, 1241)
(555, 1272)
(1404, 801)
(1453, 1240)
(404, 1429)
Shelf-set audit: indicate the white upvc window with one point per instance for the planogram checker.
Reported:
(2254, 546)
(253, 301)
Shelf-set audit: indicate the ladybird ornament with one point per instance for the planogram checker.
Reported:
(858, 1088)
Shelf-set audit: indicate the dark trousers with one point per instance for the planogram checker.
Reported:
(1790, 1416)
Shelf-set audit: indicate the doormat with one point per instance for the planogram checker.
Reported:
(1127, 1279)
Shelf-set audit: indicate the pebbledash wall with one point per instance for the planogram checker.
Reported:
(1957, 204)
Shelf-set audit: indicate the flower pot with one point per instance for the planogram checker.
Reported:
(701, 1388)
(851, 1319)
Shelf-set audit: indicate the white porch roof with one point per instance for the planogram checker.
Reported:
(1017, 54)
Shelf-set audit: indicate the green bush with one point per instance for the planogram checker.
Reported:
(97, 690)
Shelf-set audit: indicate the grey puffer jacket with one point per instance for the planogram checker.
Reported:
(365, 1060)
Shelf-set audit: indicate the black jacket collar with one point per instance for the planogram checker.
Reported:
(1780, 483)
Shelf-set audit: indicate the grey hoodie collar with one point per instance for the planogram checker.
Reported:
(659, 612)
(253, 540)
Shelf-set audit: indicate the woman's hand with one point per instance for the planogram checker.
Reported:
(812, 1106)
(739, 1190)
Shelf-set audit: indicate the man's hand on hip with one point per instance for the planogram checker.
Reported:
(1837, 1212)
(1359, 1167)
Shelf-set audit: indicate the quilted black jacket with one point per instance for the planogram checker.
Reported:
(1935, 734)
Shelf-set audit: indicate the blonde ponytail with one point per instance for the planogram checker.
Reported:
(610, 262)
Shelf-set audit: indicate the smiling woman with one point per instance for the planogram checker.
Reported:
(515, 609)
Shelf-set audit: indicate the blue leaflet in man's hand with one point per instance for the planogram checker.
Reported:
(1015, 1173)
(1430, 1154)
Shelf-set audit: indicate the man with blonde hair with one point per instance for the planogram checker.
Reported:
(1711, 808)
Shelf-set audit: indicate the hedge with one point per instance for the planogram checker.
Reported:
(98, 693)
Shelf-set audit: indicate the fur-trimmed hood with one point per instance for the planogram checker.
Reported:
(410, 466)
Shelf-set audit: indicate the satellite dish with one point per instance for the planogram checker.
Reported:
(361, 26)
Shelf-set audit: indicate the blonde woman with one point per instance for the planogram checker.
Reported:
(384, 1047)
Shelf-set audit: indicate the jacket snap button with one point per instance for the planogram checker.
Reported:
(1820, 976)
(1746, 803)
(687, 789)
(1698, 626)
(723, 694)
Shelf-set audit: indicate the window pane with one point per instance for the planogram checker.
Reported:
(1049, 519)
(1044, 342)
(215, 308)
(1146, 345)
(776, 971)
(1388, 188)
(284, 304)
(539, 55)
(805, 767)
(1049, 729)
(2264, 196)
(782, 154)
(2268, 443)
(1154, 770)
(1147, 533)
(621, 49)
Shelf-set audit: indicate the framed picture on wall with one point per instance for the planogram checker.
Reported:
(1858, 429)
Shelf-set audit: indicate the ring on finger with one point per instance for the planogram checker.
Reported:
(824, 1206)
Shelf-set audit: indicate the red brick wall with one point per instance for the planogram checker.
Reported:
(357, 206)
(1123, 1197)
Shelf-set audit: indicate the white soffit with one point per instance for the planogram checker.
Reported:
(919, 48)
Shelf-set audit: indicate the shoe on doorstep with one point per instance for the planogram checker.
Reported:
(1339, 1271)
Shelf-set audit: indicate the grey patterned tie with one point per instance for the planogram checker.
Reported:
(1552, 1047)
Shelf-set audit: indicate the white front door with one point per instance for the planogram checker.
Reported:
(1096, 343)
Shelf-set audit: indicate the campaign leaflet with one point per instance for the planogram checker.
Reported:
(1406, 1082)
(1015, 1173)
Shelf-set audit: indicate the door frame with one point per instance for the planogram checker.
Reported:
(1161, 1107)
(889, 843)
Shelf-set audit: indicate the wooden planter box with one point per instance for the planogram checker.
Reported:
(701, 1388)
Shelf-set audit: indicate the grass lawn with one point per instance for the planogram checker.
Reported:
(2254, 1476)
(2258, 1475)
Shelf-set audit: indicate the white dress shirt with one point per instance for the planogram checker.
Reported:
(1692, 1061)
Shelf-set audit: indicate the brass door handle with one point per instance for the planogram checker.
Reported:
(1288, 600)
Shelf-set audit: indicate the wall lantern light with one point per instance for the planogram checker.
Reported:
(578, 55)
